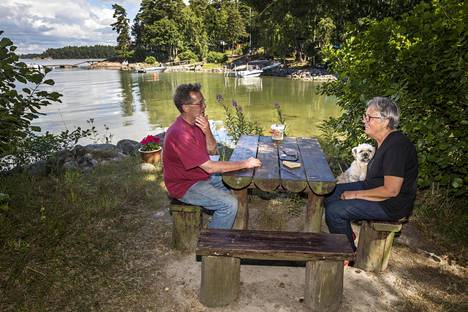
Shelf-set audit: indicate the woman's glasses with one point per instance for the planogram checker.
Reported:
(368, 118)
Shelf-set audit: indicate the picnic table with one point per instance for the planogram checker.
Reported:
(314, 176)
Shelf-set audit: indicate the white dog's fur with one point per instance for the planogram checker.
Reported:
(362, 153)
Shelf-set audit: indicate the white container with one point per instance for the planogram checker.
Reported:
(277, 132)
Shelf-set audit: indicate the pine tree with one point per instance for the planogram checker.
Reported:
(122, 27)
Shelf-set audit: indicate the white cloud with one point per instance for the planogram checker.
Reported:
(35, 25)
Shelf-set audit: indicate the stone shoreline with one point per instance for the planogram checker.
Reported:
(308, 74)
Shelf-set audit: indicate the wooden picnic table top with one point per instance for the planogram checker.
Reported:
(313, 174)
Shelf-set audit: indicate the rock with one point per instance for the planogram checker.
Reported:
(70, 165)
(148, 168)
(39, 168)
(102, 151)
(128, 147)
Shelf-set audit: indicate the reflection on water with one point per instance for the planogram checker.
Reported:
(134, 104)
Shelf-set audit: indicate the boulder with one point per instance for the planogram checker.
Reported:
(102, 151)
(128, 147)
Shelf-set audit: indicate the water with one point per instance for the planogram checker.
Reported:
(133, 105)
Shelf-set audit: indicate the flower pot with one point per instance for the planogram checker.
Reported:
(150, 157)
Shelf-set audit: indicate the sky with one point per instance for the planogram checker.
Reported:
(36, 25)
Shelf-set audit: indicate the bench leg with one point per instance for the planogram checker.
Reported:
(220, 280)
(374, 248)
(186, 228)
(323, 285)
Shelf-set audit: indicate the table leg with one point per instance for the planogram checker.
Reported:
(314, 211)
(242, 218)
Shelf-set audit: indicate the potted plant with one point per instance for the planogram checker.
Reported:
(150, 150)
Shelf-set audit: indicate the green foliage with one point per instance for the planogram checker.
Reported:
(216, 57)
(74, 52)
(150, 60)
(20, 98)
(419, 61)
(235, 121)
(188, 56)
(122, 28)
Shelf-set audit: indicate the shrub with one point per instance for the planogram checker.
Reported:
(150, 60)
(188, 56)
(216, 57)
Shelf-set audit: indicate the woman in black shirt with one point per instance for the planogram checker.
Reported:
(389, 190)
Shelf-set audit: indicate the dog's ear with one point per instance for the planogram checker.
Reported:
(354, 150)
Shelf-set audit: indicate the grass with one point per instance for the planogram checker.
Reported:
(64, 237)
(212, 65)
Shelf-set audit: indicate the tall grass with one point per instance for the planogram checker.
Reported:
(62, 233)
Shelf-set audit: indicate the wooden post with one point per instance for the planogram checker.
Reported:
(220, 280)
(242, 217)
(314, 211)
(323, 285)
(375, 245)
(186, 222)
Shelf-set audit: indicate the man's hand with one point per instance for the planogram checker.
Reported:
(203, 123)
(252, 163)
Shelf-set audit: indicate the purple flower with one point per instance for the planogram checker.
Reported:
(234, 104)
(219, 98)
(277, 105)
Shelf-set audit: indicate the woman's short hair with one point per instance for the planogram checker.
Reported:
(387, 109)
(182, 94)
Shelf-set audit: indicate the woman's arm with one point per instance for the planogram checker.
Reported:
(391, 188)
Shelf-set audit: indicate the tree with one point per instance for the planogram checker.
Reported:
(418, 59)
(122, 28)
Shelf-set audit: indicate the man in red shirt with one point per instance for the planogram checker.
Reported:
(189, 174)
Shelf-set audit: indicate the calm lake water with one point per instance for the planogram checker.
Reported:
(133, 105)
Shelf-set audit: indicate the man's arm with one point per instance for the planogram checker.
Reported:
(226, 166)
(391, 188)
(203, 123)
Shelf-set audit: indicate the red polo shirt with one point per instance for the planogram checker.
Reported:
(184, 151)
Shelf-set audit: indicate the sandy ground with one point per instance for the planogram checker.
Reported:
(417, 279)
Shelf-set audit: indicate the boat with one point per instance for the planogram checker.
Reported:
(249, 73)
(156, 69)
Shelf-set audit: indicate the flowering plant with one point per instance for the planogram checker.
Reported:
(150, 143)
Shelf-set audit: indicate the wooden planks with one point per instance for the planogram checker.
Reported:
(319, 176)
(246, 147)
(295, 246)
(293, 180)
(267, 177)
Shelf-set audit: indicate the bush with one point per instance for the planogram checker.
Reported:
(416, 60)
(216, 57)
(188, 56)
(150, 60)
(20, 98)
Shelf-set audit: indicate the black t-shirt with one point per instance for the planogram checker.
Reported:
(395, 157)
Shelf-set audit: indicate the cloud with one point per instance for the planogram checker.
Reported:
(35, 25)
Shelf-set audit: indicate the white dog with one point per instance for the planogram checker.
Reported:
(362, 153)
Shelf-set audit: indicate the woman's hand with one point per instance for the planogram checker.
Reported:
(349, 195)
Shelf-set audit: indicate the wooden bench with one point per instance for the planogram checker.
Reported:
(222, 250)
(186, 224)
(375, 244)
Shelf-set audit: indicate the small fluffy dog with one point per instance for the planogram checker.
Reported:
(362, 153)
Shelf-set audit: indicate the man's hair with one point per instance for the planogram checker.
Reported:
(387, 109)
(182, 94)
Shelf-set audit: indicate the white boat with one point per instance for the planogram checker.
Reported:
(249, 73)
(156, 69)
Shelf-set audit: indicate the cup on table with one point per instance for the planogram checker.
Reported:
(277, 132)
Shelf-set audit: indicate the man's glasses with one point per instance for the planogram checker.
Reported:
(201, 103)
(368, 118)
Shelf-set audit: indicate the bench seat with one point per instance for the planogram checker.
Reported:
(222, 250)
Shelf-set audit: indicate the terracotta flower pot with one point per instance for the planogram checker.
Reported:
(150, 157)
